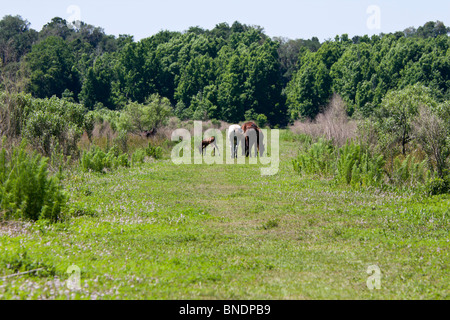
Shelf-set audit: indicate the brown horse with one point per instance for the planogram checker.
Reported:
(253, 135)
(249, 125)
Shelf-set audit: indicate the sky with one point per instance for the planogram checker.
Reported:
(291, 19)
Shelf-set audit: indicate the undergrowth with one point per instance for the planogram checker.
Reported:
(27, 190)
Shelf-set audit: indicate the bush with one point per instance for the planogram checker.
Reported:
(333, 124)
(27, 191)
(121, 141)
(154, 152)
(316, 160)
(358, 167)
(102, 115)
(45, 123)
(349, 165)
(98, 161)
(409, 171)
(397, 113)
(437, 186)
(138, 156)
(137, 117)
(432, 131)
(261, 120)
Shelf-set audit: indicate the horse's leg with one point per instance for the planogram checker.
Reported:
(231, 137)
(257, 145)
(215, 147)
(245, 147)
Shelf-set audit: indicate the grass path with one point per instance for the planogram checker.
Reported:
(162, 231)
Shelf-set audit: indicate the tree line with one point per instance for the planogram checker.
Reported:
(229, 73)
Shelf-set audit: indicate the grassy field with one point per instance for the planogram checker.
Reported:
(162, 231)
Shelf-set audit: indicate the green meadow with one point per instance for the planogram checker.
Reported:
(166, 231)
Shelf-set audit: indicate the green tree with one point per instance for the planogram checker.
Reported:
(52, 69)
(137, 117)
(97, 86)
(16, 38)
(194, 76)
(311, 86)
(290, 51)
(57, 27)
(309, 90)
(432, 29)
(397, 112)
(432, 130)
(137, 71)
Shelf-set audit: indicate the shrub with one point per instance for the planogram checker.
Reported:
(316, 160)
(98, 161)
(437, 186)
(27, 191)
(45, 123)
(272, 223)
(356, 166)
(432, 131)
(409, 171)
(138, 117)
(14, 111)
(333, 124)
(349, 164)
(261, 120)
(121, 141)
(138, 156)
(103, 115)
(216, 123)
(154, 152)
(397, 113)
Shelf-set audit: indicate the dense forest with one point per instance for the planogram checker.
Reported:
(230, 73)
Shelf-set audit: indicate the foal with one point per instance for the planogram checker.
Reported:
(206, 143)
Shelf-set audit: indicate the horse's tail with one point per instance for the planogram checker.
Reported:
(234, 136)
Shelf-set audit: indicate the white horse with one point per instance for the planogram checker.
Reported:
(236, 136)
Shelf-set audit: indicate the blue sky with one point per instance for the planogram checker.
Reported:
(287, 18)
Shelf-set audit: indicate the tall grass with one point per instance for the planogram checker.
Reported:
(409, 171)
(358, 167)
(351, 164)
(354, 164)
(99, 161)
(317, 159)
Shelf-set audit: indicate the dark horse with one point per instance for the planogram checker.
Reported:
(253, 135)
(148, 133)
